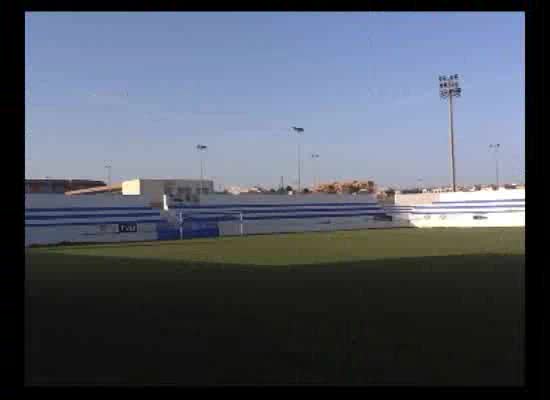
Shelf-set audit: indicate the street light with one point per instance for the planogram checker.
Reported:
(108, 168)
(298, 131)
(495, 148)
(201, 148)
(315, 157)
(448, 88)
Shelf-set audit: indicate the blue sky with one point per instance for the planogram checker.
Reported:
(139, 91)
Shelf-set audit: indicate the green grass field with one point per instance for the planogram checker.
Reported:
(404, 306)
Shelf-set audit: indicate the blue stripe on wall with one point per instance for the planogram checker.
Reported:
(464, 212)
(89, 216)
(469, 207)
(479, 201)
(87, 209)
(291, 210)
(155, 221)
(207, 206)
(267, 217)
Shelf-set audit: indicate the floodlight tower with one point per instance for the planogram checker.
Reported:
(448, 88)
(298, 131)
(495, 148)
(201, 148)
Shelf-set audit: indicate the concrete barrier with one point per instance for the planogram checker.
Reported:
(56, 218)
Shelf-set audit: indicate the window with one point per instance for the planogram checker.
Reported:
(169, 188)
(383, 218)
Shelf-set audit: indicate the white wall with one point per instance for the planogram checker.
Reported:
(286, 199)
(416, 198)
(313, 212)
(472, 209)
(56, 218)
(131, 188)
(484, 195)
(467, 220)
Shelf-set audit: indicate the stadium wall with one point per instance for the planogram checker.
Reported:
(56, 218)
(502, 208)
(262, 214)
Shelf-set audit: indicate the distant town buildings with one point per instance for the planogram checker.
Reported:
(472, 188)
(355, 186)
(188, 189)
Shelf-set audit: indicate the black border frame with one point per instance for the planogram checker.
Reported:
(13, 108)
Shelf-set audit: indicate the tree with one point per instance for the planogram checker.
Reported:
(331, 188)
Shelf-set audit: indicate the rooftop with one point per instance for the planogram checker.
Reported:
(98, 189)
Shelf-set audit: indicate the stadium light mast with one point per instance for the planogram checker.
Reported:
(298, 131)
(448, 88)
(495, 148)
(315, 156)
(201, 148)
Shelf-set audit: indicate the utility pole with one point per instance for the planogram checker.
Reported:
(449, 88)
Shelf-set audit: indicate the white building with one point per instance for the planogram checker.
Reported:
(182, 189)
(154, 189)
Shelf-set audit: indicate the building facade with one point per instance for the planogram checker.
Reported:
(177, 189)
(59, 186)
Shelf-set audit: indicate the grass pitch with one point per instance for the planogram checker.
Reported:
(406, 306)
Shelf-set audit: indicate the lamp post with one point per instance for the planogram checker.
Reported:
(201, 148)
(108, 168)
(298, 131)
(495, 148)
(449, 88)
(316, 157)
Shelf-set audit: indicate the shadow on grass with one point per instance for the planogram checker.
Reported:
(455, 320)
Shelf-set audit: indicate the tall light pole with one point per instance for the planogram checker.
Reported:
(298, 131)
(449, 88)
(108, 168)
(495, 148)
(201, 148)
(316, 157)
